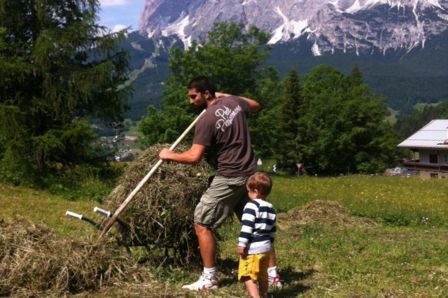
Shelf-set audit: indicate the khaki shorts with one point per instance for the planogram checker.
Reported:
(254, 266)
(223, 196)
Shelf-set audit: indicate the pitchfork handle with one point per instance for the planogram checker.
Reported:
(120, 209)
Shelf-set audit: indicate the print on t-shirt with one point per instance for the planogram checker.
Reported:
(226, 117)
(224, 133)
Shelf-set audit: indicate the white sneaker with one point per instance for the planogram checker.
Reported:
(204, 283)
(275, 282)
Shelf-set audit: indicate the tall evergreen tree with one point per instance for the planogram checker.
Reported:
(264, 125)
(58, 68)
(355, 78)
(288, 151)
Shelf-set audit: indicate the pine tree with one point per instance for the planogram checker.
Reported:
(288, 152)
(355, 77)
(58, 69)
(264, 125)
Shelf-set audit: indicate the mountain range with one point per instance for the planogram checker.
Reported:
(331, 25)
(396, 43)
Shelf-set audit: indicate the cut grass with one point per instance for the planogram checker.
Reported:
(406, 256)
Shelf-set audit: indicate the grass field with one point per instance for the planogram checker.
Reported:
(391, 200)
(406, 255)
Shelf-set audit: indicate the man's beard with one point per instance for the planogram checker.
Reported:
(200, 107)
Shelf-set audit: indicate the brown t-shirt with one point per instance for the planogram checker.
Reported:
(223, 131)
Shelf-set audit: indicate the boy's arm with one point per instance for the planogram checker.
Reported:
(272, 233)
(247, 225)
(274, 226)
(241, 250)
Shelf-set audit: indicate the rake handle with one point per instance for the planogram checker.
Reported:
(73, 214)
(125, 203)
(82, 217)
(102, 211)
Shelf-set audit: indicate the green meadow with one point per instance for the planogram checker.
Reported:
(395, 200)
(404, 255)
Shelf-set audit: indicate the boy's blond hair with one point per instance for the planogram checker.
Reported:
(261, 182)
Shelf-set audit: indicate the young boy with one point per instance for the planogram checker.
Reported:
(257, 236)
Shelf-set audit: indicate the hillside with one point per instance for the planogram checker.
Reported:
(401, 46)
(404, 79)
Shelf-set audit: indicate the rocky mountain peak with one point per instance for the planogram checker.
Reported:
(329, 25)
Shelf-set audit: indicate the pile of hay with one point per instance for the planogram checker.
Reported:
(321, 212)
(34, 260)
(160, 216)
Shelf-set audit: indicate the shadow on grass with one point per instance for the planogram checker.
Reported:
(290, 279)
(291, 282)
(229, 268)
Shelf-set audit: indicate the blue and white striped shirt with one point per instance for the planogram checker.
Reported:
(257, 227)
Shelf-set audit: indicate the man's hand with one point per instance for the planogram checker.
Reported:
(165, 154)
(221, 94)
(254, 106)
(241, 251)
(191, 156)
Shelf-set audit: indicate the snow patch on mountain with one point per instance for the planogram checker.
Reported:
(178, 28)
(315, 49)
(246, 2)
(354, 6)
(358, 26)
(287, 28)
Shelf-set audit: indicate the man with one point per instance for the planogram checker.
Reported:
(221, 134)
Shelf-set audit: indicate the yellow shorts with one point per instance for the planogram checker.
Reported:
(254, 266)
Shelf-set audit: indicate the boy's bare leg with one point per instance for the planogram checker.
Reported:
(251, 287)
(207, 245)
(273, 276)
(263, 284)
(272, 258)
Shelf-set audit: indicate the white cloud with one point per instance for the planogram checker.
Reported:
(109, 3)
(119, 27)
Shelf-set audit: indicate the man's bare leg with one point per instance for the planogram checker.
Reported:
(207, 245)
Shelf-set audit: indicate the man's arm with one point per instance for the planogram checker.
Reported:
(254, 106)
(191, 156)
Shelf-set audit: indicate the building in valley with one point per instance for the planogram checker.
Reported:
(429, 147)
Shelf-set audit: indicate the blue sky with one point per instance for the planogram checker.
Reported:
(118, 14)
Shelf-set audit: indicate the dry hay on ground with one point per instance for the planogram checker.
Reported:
(160, 216)
(36, 261)
(324, 213)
